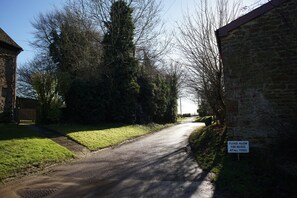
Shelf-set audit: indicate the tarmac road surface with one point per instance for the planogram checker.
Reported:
(158, 165)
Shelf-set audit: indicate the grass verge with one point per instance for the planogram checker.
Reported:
(202, 119)
(256, 174)
(22, 150)
(102, 136)
(180, 119)
(206, 142)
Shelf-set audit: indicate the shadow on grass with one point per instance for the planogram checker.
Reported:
(256, 174)
(70, 128)
(14, 131)
(100, 136)
(24, 150)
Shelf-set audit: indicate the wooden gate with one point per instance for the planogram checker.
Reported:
(26, 110)
(27, 114)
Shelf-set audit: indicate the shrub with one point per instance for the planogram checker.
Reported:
(208, 121)
(54, 114)
(204, 109)
(186, 115)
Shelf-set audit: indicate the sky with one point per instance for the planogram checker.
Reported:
(16, 17)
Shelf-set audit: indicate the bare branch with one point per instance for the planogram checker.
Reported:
(197, 44)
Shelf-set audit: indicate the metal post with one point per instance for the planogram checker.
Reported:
(180, 107)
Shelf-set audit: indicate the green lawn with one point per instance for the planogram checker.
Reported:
(22, 149)
(256, 174)
(101, 136)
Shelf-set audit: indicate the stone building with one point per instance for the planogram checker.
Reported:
(259, 54)
(8, 54)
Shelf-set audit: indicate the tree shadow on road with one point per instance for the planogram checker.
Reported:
(175, 174)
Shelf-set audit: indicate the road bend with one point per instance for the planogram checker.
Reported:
(157, 165)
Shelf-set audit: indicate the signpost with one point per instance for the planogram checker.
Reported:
(238, 147)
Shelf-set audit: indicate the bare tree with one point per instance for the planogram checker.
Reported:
(150, 34)
(37, 79)
(93, 15)
(44, 24)
(71, 39)
(176, 70)
(198, 45)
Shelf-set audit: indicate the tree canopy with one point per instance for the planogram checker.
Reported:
(97, 75)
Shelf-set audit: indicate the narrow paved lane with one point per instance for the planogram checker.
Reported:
(158, 165)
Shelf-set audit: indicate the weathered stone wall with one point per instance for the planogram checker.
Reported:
(260, 68)
(7, 85)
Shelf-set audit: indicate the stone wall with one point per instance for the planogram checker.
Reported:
(7, 85)
(260, 68)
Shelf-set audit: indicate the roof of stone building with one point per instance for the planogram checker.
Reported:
(4, 38)
(223, 31)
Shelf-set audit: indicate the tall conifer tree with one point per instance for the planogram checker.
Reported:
(120, 64)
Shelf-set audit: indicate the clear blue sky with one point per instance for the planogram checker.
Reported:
(16, 17)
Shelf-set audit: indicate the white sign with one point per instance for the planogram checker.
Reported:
(238, 146)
